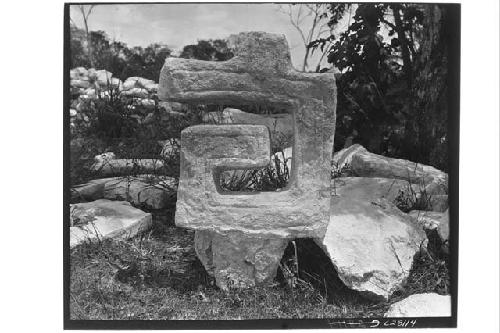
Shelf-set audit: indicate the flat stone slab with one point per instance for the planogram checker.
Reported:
(370, 242)
(421, 305)
(103, 219)
(88, 192)
(107, 164)
(363, 163)
(370, 188)
(154, 192)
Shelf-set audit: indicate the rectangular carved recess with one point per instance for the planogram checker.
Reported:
(276, 175)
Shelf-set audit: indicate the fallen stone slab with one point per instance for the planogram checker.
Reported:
(136, 92)
(237, 260)
(107, 165)
(367, 164)
(363, 163)
(78, 72)
(371, 189)
(427, 219)
(88, 192)
(421, 305)
(371, 243)
(79, 83)
(103, 219)
(154, 192)
(137, 82)
(438, 203)
(343, 158)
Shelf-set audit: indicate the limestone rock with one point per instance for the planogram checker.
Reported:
(369, 189)
(238, 260)
(107, 164)
(367, 164)
(152, 87)
(140, 191)
(343, 157)
(89, 192)
(78, 72)
(102, 219)
(148, 103)
(427, 219)
(438, 203)
(139, 82)
(89, 93)
(103, 77)
(136, 92)
(104, 157)
(421, 305)
(78, 83)
(371, 243)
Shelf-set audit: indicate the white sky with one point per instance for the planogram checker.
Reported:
(178, 25)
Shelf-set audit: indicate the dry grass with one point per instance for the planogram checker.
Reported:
(157, 276)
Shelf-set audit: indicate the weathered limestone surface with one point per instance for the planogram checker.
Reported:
(438, 202)
(277, 123)
(88, 192)
(421, 305)
(427, 219)
(260, 73)
(371, 243)
(343, 157)
(369, 189)
(367, 164)
(239, 261)
(143, 190)
(103, 218)
(106, 165)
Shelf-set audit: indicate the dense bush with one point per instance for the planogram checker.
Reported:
(117, 57)
(392, 89)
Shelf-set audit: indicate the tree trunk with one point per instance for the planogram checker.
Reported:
(428, 96)
(89, 42)
(405, 49)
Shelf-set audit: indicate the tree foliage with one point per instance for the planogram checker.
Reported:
(117, 57)
(392, 59)
(210, 50)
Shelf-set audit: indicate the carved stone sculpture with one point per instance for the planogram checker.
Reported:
(259, 73)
